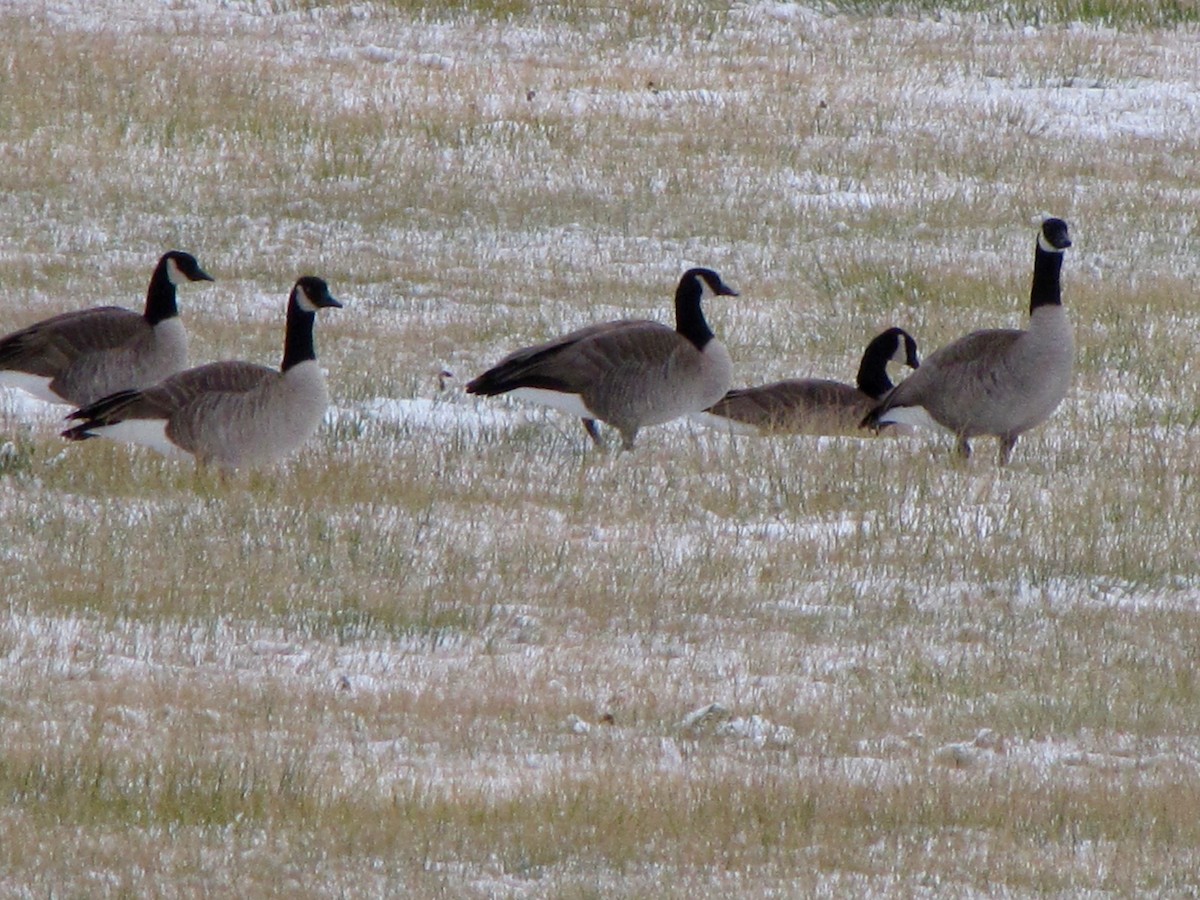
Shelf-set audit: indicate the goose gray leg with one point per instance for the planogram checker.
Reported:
(1007, 442)
(589, 425)
(962, 447)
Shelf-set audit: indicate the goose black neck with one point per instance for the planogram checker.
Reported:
(872, 372)
(160, 297)
(298, 343)
(1047, 285)
(689, 317)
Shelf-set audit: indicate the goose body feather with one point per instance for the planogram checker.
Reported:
(80, 356)
(1000, 381)
(992, 382)
(629, 373)
(796, 406)
(815, 406)
(229, 413)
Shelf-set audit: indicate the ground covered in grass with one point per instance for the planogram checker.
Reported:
(450, 649)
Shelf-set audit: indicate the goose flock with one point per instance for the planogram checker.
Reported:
(126, 375)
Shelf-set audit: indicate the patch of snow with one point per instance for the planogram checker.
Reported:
(704, 717)
(757, 730)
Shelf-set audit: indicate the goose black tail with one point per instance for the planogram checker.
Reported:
(80, 432)
(96, 414)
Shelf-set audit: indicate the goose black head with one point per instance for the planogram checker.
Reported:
(706, 281)
(906, 350)
(312, 293)
(182, 267)
(1053, 237)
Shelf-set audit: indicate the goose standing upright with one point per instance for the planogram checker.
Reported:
(815, 406)
(629, 373)
(999, 382)
(78, 357)
(228, 413)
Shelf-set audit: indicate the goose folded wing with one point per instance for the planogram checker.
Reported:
(46, 347)
(172, 394)
(816, 405)
(958, 372)
(563, 363)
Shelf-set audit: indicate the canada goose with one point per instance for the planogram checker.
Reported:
(78, 357)
(229, 413)
(814, 405)
(998, 382)
(629, 373)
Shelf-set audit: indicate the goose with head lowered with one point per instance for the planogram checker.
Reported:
(630, 373)
(230, 413)
(999, 382)
(815, 406)
(78, 357)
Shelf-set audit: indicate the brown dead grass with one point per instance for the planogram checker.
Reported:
(451, 656)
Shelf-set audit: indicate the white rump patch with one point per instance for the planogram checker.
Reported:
(721, 423)
(150, 433)
(568, 403)
(917, 416)
(37, 385)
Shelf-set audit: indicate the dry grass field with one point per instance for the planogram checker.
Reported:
(453, 651)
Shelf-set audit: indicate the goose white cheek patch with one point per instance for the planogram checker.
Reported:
(1047, 246)
(174, 273)
(304, 302)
